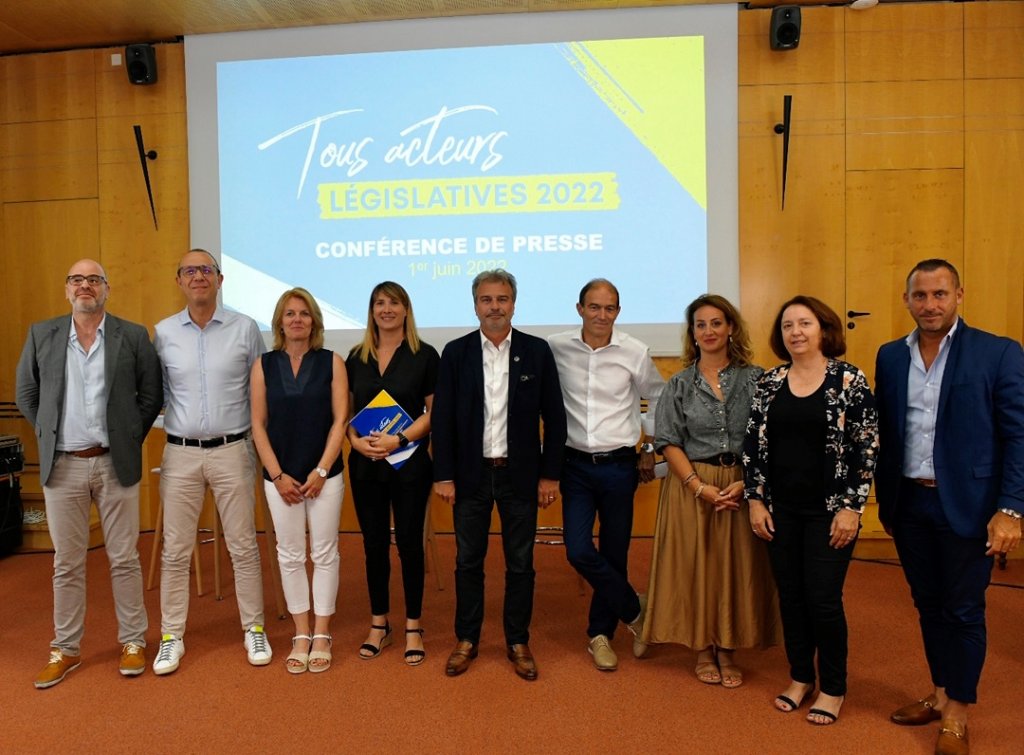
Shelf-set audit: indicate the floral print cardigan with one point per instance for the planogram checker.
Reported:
(851, 444)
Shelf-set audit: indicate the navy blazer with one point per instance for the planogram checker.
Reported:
(979, 435)
(457, 416)
(135, 392)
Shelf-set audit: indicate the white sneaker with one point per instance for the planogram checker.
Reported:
(169, 654)
(257, 646)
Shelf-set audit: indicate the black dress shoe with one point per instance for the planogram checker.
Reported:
(522, 660)
(916, 714)
(463, 654)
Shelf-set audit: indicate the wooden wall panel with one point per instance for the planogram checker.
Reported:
(47, 87)
(818, 58)
(894, 219)
(905, 42)
(993, 262)
(41, 241)
(994, 40)
(116, 95)
(905, 124)
(48, 160)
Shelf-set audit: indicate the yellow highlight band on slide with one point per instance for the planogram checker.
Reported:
(560, 192)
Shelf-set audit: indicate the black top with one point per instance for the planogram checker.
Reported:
(409, 378)
(797, 429)
(299, 412)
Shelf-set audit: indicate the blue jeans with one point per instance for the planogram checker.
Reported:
(948, 575)
(604, 491)
(472, 519)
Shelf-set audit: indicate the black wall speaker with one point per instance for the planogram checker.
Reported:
(785, 29)
(140, 63)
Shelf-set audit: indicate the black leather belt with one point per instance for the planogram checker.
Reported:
(616, 456)
(724, 459)
(497, 462)
(205, 442)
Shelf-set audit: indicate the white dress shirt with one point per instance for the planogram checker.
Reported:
(83, 423)
(495, 396)
(206, 372)
(602, 389)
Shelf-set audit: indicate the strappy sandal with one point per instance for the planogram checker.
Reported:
(367, 651)
(415, 657)
(323, 656)
(732, 676)
(296, 662)
(707, 671)
(793, 704)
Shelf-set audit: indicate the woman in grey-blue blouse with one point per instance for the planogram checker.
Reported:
(710, 586)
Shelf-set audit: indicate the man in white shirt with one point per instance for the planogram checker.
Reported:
(604, 374)
(494, 387)
(207, 353)
(89, 383)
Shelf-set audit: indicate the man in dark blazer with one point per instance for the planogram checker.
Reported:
(90, 385)
(949, 482)
(494, 387)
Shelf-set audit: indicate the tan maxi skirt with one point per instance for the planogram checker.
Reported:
(711, 582)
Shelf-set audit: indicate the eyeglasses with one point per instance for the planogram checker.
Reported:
(191, 271)
(92, 280)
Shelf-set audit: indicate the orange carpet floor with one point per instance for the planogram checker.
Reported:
(217, 703)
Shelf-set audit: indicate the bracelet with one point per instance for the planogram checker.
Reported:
(700, 489)
(279, 476)
(1012, 514)
(689, 477)
(855, 510)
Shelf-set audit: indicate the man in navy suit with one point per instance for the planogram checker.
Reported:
(90, 385)
(494, 387)
(949, 482)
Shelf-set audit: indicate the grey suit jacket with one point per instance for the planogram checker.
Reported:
(134, 390)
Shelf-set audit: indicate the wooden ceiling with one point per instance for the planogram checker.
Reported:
(42, 25)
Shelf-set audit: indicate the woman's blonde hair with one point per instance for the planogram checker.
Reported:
(316, 335)
(368, 347)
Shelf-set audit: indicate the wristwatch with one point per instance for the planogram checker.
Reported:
(1012, 514)
(647, 448)
(402, 440)
(321, 471)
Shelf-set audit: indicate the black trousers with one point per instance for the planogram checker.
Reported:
(809, 574)
(406, 496)
(472, 518)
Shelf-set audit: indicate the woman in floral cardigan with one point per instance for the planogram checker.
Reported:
(808, 457)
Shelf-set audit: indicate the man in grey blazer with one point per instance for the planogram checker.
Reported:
(90, 384)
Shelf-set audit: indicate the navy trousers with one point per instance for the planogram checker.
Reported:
(604, 492)
(472, 519)
(948, 575)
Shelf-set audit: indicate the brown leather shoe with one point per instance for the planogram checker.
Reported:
(58, 667)
(133, 659)
(952, 738)
(522, 659)
(916, 714)
(463, 654)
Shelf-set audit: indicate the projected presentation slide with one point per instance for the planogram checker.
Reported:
(558, 162)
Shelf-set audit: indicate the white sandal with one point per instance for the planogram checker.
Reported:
(320, 655)
(302, 659)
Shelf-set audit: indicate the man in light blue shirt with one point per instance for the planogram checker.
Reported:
(207, 353)
(949, 482)
(89, 383)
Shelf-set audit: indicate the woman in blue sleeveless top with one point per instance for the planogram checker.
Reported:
(299, 410)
